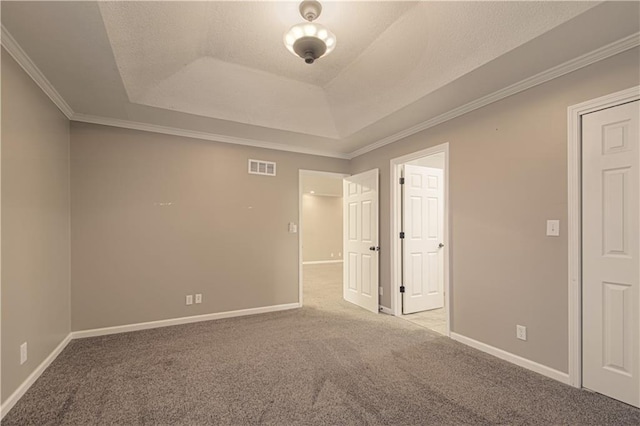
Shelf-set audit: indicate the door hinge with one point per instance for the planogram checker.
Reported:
(401, 289)
(401, 181)
(402, 235)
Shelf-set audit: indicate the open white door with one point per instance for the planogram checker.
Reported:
(423, 257)
(610, 252)
(361, 250)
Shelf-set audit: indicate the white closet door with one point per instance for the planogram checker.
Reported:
(610, 252)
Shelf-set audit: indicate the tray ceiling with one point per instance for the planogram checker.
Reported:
(221, 67)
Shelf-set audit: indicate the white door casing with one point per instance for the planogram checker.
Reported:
(423, 213)
(361, 246)
(611, 252)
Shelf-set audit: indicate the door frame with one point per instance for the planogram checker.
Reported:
(301, 174)
(574, 217)
(395, 166)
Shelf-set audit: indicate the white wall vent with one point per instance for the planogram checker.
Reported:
(259, 167)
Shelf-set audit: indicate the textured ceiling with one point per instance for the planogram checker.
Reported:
(164, 36)
(221, 67)
(226, 59)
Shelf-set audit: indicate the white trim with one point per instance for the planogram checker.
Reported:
(14, 49)
(574, 224)
(604, 52)
(512, 358)
(24, 387)
(386, 310)
(301, 173)
(184, 320)
(174, 131)
(320, 262)
(394, 197)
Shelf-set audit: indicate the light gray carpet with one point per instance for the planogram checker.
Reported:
(328, 363)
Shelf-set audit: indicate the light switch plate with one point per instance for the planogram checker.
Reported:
(553, 228)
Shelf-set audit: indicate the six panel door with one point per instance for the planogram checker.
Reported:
(423, 218)
(610, 252)
(360, 280)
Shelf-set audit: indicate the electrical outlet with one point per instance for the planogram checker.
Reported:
(339, 254)
(189, 299)
(23, 353)
(331, 254)
(381, 291)
(521, 332)
(198, 298)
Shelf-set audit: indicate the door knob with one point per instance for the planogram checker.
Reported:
(440, 245)
(374, 248)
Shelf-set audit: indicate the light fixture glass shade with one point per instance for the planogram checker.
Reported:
(314, 33)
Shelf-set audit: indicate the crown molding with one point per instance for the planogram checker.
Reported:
(14, 49)
(174, 131)
(575, 64)
(21, 57)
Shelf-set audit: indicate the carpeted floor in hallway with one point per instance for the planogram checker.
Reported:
(329, 363)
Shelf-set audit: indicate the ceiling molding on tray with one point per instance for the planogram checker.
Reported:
(594, 56)
(14, 49)
(154, 128)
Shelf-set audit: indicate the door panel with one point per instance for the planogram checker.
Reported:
(423, 211)
(360, 234)
(610, 252)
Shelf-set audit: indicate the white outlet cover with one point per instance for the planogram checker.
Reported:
(23, 353)
(198, 298)
(553, 228)
(189, 299)
(521, 332)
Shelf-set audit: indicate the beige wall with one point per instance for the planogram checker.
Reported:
(436, 161)
(508, 175)
(35, 225)
(135, 256)
(322, 228)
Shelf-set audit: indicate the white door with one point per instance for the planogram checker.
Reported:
(610, 251)
(423, 255)
(361, 250)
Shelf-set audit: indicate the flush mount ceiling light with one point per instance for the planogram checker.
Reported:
(309, 40)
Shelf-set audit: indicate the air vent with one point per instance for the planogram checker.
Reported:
(259, 167)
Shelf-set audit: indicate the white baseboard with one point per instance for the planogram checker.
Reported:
(24, 387)
(386, 310)
(319, 262)
(177, 321)
(512, 358)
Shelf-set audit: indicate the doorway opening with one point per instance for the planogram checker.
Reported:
(320, 236)
(420, 249)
